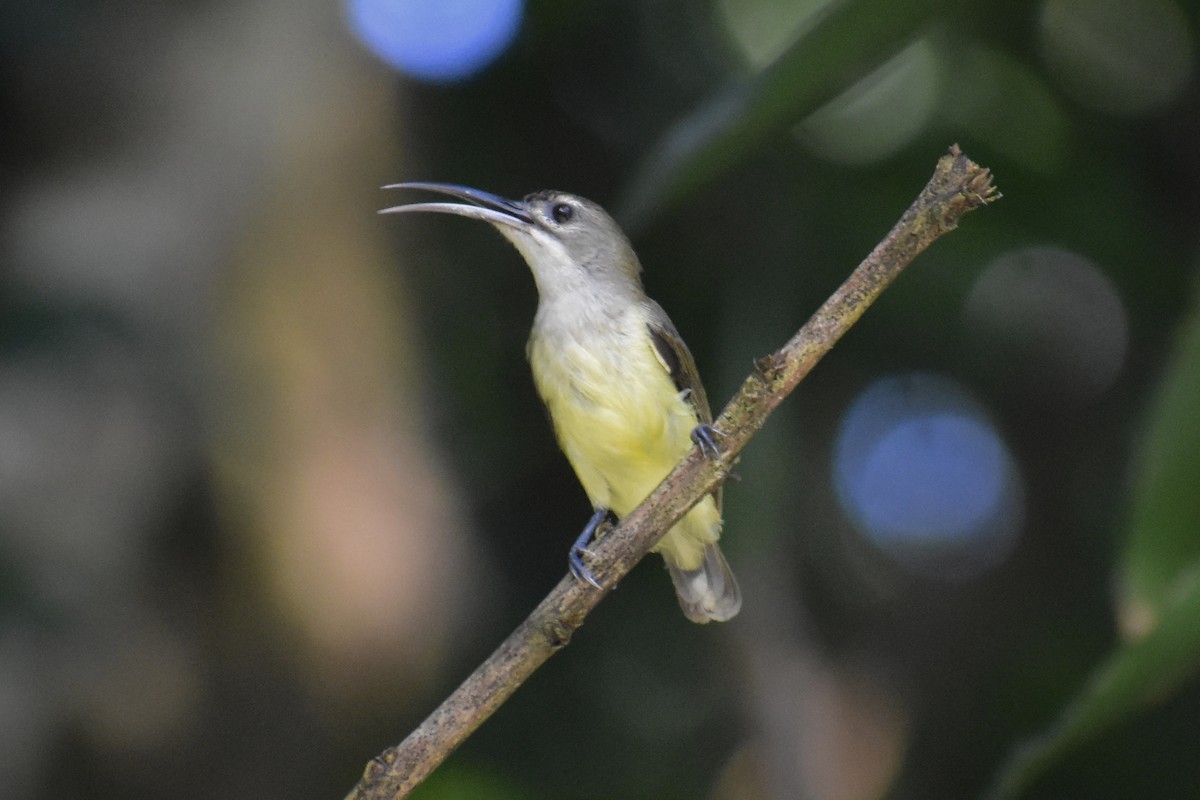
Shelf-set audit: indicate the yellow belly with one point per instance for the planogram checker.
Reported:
(623, 426)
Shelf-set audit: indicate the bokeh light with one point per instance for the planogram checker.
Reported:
(1117, 56)
(881, 113)
(925, 477)
(762, 29)
(437, 40)
(1049, 325)
(872, 119)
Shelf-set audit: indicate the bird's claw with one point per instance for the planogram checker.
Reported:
(705, 436)
(579, 569)
(579, 550)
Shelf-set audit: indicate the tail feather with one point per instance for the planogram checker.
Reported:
(709, 592)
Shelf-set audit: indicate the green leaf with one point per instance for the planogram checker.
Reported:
(1160, 583)
(847, 42)
(1134, 677)
(459, 782)
(1163, 549)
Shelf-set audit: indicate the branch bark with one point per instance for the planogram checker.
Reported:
(958, 185)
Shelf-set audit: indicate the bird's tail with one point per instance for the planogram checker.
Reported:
(709, 592)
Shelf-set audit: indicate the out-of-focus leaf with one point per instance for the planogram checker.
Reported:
(1132, 678)
(458, 782)
(1005, 105)
(1163, 548)
(1160, 582)
(847, 41)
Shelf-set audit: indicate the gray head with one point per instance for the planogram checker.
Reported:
(571, 244)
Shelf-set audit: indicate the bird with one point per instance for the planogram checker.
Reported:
(621, 387)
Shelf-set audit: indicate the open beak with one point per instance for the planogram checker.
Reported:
(480, 205)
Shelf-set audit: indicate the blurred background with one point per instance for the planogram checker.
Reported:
(274, 478)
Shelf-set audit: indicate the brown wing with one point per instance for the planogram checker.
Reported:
(675, 356)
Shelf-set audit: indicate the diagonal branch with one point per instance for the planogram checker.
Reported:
(958, 185)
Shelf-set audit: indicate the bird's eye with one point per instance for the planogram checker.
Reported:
(562, 212)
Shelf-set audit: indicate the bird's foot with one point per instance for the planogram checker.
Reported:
(705, 436)
(579, 549)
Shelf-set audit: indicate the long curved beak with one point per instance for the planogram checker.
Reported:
(481, 205)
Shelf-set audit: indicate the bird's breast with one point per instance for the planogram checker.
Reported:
(612, 402)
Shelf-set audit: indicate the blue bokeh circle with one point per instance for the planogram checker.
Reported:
(438, 41)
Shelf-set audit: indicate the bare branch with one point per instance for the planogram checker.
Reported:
(958, 185)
